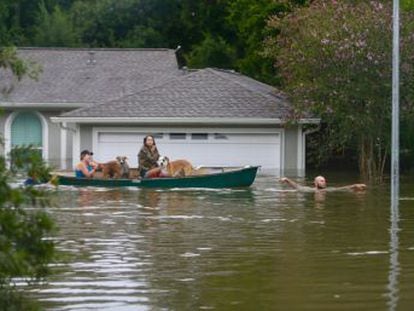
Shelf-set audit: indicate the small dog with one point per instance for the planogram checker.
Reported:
(124, 165)
(118, 168)
(177, 168)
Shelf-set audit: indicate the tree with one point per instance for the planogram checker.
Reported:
(15, 68)
(212, 52)
(143, 37)
(334, 58)
(407, 4)
(127, 23)
(55, 29)
(9, 29)
(18, 18)
(25, 251)
(248, 19)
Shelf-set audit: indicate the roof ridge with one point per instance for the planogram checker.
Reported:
(190, 72)
(131, 94)
(35, 48)
(176, 78)
(219, 71)
(186, 73)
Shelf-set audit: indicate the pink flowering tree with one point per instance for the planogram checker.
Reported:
(335, 60)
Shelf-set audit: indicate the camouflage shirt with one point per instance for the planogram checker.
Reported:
(147, 159)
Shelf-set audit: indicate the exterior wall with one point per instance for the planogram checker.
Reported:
(3, 117)
(68, 160)
(54, 130)
(80, 139)
(292, 149)
(293, 152)
(86, 137)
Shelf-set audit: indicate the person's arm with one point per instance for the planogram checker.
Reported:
(95, 165)
(154, 156)
(142, 159)
(354, 187)
(289, 182)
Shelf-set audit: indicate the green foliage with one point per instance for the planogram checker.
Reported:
(24, 249)
(102, 23)
(335, 60)
(407, 5)
(240, 24)
(54, 29)
(248, 18)
(18, 68)
(9, 29)
(128, 23)
(212, 52)
(18, 17)
(12, 300)
(142, 37)
(29, 159)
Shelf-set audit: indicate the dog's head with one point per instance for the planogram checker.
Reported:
(122, 159)
(163, 161)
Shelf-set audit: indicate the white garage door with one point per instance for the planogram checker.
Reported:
(227, 149)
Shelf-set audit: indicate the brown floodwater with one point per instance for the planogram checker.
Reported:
(263, 248)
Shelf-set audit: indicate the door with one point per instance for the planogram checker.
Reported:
(210, 149)
(26, 129)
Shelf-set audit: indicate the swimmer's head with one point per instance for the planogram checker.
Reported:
(320, 182)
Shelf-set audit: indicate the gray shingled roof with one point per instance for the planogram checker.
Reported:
(205, 93)
(91, 75)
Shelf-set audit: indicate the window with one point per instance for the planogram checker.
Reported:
(199, 136)
(220, 136)
(177, 136)
(158, 135)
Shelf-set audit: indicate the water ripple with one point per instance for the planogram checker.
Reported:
(242, 249)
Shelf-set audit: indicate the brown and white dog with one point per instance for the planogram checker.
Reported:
(176, 168)
(118, 168)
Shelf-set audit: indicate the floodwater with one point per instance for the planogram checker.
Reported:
(263, 248)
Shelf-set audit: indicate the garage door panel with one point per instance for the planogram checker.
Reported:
(117, 137)
(222, 154)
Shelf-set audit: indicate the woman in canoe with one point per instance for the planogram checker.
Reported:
(148, 156)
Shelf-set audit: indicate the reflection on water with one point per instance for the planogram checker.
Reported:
(394, 251)
(263, 248)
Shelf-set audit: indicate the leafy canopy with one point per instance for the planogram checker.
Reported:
(334, 58)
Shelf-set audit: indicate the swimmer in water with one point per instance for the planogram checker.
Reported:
(320, 185)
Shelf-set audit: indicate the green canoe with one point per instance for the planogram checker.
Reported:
(216, 178)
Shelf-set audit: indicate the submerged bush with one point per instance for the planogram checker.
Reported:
(25, 228)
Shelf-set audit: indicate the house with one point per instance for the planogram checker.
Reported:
(107, 100)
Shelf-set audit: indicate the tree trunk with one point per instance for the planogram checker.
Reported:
(372, 159)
